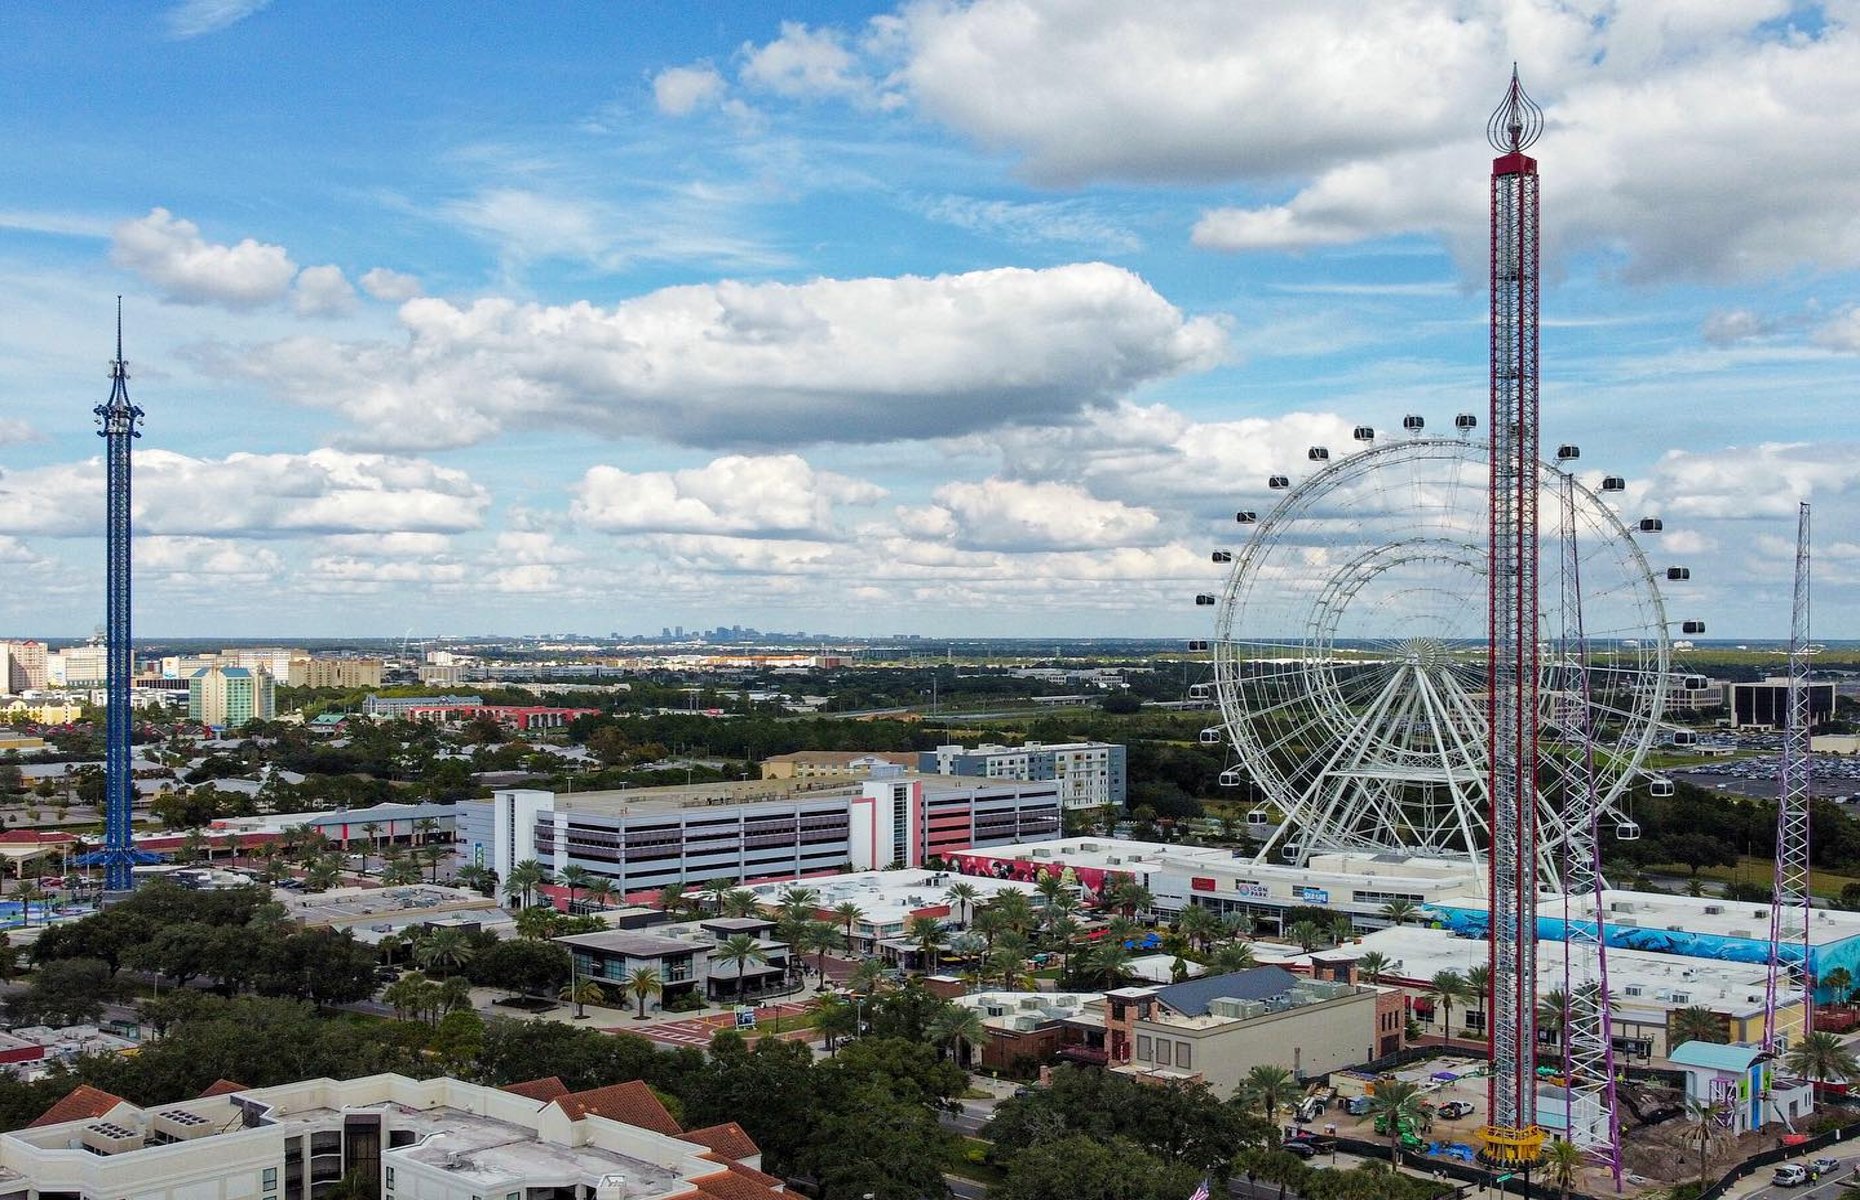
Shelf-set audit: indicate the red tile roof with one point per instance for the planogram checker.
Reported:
(222, 1087)
(631, 1103)
(81, 1103)
(755, 1176)
(727, 1139)
(728, 1185)
(545, 1090)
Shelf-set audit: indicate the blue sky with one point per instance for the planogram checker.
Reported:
(953, 318)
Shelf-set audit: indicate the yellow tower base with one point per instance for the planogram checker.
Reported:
(1503, 1146)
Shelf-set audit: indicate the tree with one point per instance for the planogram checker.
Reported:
(1695, 1023)
(1079, 1167)
(1823, 1057)
(818, 938)
(1308, 934)
(519, 965)
(797, 900)
(1197, 924)
(1704, 1132)
(848, 914)
(69, 991)
(1235, 956)
(1126, 895)
(673, 900)
(960, 1028)
(740, 949)
(1840, 981)
(926, 933)
(525, 878)
(1375, 964)
(716, 889)
(373, 830)
(869, 1142)
(644, 983)
(444, 949)
(740, 902)
(1110, 962)
(962, 897)
(576, 880)
(1396, 1105)
(1562, 1160)
(1400, 912)
(1268, 1087)
(1444, 989)
(581, 992)
(1479, 989)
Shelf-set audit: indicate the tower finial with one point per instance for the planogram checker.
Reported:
(1516, 122)
(119, 328)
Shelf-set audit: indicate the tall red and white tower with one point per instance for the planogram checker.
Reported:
(1513, 1137)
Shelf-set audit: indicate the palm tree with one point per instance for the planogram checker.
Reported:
(1342, 928)
(373, 830)
(644, 983)
(741, 949)
(576, 880)
(799, 901)
(455, 993)
(1479, 989)
(867, 978)
(927, 934)
(962, 898)
(1704, 1131)
(1375, 964)
(1823, 1057)
(1400, 912)
(1268, 1087)
(1234, 956)
(819, 937)
(990, 922)
(1127, 896)
(425, 827)
(1110, 962)
(322, 875)
(960, 1028)
(1695, 1023)
(1306, 933)
(581, 993)
(673, 900)
(1841, 982)
(1562, 1159)
(601, 892)
(1009, 967)
(1197, 924)
(444, 949)
(525, 878)
(740, 902)
(717, 889)
(848, 914)
(1443, 989)
(1396, 1104)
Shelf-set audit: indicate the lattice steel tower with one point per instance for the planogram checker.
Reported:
(1789, 907)
(116, 421)
(1513, 1137)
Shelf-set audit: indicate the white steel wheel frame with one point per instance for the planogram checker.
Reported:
(1350, 656)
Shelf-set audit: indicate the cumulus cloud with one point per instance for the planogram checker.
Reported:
(681, 91)
(1730, 326)
(805, 62)
(194, 557)
(391, 286)
(746, 365)
(250, 495)
(769, 495)
(1004, 514)
(169, 253)
(323, 292)
(193, 18)
(1760, 482)
(1842, 332)
(15, 432)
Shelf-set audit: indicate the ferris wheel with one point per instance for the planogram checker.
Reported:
(1350, 653)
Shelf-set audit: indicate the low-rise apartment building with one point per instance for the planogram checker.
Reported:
(1089, 774)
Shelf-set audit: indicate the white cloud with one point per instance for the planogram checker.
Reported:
(1841, 332)
(1003, 514)
(1760, 482)
(192, 18)
(681, 91)
(189, 558)
(325, 491)
(528, 579)
(323, 292)
(805, 62)
(1068, 221)
(15, 432)
(169, 252)
(386, 545)
(733, 364)
(737, 494)
(1729, 326)
(391, 286)
(532, 547)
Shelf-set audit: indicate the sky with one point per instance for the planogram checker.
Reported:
(950, 318)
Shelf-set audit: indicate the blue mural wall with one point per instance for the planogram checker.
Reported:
(1474, 923)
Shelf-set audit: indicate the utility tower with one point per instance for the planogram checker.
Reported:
(1513, 1137)
(116, 421)
(1789, 907)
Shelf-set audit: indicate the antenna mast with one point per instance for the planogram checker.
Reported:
(1789, 904)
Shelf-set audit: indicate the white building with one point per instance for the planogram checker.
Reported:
(1089, 774)
(435, 1139)
(889, 900)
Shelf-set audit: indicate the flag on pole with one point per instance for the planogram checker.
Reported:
(1201, 1192)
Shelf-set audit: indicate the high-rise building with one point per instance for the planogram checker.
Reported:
(78, 666)
(22, 667)
(230, 697)
(273, 660)
(334, 672)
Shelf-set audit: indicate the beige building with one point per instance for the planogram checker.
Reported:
(77, 666)
(334, 672)
(230, 697)
(22, 667)
(433, 1139)
(1215, 1030)
(834, 764)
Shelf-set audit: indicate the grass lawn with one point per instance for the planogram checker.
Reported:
(967, 1157)
(1760, 871)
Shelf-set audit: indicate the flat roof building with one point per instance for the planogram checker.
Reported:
(1089, 774)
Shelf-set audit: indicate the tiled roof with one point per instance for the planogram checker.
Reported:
(754, 1176)
(631, 1103)
(727, 1139)
(729, 1185)
(545, 1090)
(223, 1087)
(81, 1103)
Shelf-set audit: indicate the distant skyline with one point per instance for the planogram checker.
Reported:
(966, 319)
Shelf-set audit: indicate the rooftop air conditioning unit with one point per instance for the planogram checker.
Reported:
(107, 1137)
(1740, 933)
(180, 1125)
(1712, 910)
(1624, 921)
(1620, 906)
(1675, 929)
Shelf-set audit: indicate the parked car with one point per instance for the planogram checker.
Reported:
(1823, 1166)
(1453, 1110)
(1300, 1147)
(1790, 1175)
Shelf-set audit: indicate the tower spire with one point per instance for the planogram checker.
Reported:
(116, 421)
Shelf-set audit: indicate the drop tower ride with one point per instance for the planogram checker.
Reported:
(116, 425)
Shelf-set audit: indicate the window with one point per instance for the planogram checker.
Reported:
(1143, 1047)
(390, 1177)
(271, 1179)
(1182, 1056)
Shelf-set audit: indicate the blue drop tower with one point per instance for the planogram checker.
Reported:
(116, 425)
